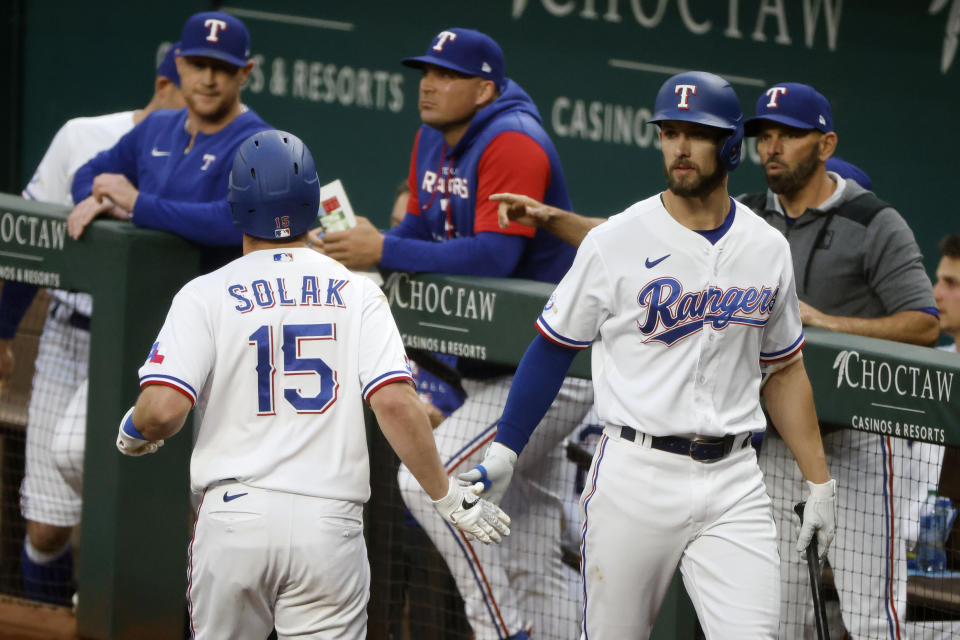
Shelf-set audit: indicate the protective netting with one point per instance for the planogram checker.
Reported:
(875, 585)
(42, 417)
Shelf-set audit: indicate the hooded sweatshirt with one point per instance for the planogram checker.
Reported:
(451, 226)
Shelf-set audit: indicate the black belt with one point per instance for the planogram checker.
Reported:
(76, 319)
(700, 449)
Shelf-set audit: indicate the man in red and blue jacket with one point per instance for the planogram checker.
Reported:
(482, 135)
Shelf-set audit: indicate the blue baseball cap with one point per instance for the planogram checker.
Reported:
(849, 171)
(793, 104)
(466, 51)
(213, 34)
(168, 66)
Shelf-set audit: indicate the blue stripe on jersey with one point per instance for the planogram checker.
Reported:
(383, 377)
(576, 344)
(931, 310)
(157, 377)
(777, 354)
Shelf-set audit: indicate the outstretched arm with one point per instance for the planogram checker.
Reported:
(568, 226)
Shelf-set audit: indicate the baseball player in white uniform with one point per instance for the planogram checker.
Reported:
(278, 350)
(50, 496)
(688, 299)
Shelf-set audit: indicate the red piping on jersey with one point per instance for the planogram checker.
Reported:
(467, 455)
(389, 381)
(787, 356)
(172, 386)
(557, 342)
(483, 576)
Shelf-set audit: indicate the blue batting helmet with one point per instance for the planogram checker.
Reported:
(274, 189)
(704, 98)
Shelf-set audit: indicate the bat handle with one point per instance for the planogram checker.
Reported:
(813, 567)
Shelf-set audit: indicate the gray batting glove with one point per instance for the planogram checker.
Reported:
(820, 517)
(129, 444)
(494, 472)
(474, 516)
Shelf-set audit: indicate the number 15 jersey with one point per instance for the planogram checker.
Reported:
(278, 350)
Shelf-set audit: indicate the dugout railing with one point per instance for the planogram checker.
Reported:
(136, 520)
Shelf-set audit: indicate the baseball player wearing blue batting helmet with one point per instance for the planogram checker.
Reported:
(274, 190)
(290, 453)
(703, 98)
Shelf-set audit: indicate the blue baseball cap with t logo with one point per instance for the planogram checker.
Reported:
(213, 34)
(793, 104)
(465, 51)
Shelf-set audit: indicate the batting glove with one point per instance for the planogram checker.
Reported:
(131, 442)
(494, 472)
(820, 517)
(474, 516)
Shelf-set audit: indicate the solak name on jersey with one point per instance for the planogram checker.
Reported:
(267, 293)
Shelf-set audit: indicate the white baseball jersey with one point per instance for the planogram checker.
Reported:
(78, 140)
(683, 325)
(278, 349)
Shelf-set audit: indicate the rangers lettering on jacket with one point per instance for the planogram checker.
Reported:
(673, 314)
(451, 185)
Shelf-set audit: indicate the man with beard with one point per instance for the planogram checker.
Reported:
(171, 171)
(688, 299)
(858, 270)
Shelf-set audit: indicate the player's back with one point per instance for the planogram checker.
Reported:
(283, 347)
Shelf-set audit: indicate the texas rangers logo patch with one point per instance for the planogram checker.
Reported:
(673, 314)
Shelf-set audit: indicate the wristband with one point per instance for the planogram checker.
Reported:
(131, 430)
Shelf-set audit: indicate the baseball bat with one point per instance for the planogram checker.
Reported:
(813, 567)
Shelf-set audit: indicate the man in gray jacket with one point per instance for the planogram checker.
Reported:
(858, 270)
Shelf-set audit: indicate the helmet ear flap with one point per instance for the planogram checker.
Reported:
(732, 148)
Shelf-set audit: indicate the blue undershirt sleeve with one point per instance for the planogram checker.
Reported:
(208, 223)
(14, 302)
(536, 383)
(495, 255)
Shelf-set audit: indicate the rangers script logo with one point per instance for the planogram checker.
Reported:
(672, 314)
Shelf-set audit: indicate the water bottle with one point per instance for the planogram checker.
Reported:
(945, 511)
(931, 555)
